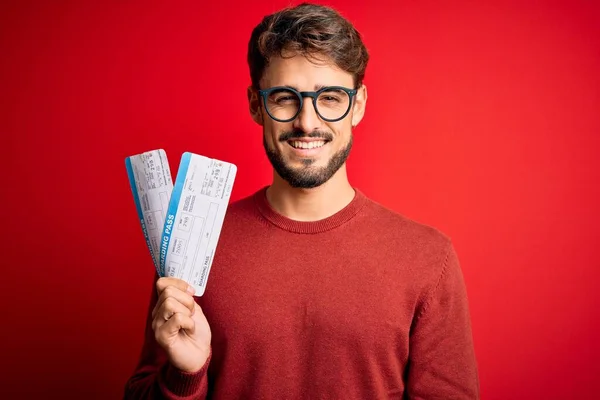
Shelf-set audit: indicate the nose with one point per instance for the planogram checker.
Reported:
(308, 120)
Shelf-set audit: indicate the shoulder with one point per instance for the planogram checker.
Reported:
(392, 225)
(241, 209)
(416, 248)
(421, 250)
(243, 217)
(242, 205)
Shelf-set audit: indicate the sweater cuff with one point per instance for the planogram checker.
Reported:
(181, 383)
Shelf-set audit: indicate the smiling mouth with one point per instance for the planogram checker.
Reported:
(313, 144)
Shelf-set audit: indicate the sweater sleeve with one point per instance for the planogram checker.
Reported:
(155, 378)
(442, 362)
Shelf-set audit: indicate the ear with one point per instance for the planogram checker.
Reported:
(254, 105)
(360, 103)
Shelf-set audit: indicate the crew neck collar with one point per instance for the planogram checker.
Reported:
(308, 227)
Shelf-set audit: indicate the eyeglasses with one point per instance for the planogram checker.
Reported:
(283, 104)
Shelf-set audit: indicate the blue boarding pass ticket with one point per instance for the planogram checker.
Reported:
(194, 218)
(151, 185)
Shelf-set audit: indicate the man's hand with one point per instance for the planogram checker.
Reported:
(180, 326)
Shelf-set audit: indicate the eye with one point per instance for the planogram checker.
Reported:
(333, 97)
(284, 99)
(330, 98)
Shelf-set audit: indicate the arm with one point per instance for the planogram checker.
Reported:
(442, 362)
(156, 378)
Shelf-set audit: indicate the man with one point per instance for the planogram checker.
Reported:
(316, 292)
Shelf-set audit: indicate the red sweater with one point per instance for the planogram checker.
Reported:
(365, 304)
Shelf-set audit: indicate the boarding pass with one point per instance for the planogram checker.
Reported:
(182, 222)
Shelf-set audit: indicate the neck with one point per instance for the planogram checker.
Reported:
(311, 204)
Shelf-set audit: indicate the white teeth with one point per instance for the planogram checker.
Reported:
(307, 145)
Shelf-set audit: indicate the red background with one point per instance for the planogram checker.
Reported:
(483, 120)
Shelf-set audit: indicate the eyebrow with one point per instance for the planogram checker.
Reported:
(316, 89)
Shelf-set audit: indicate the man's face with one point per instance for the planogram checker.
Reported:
(307, 151)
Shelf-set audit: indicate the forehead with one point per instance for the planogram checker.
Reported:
(303, 73)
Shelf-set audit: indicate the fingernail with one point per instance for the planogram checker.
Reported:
(191, 290)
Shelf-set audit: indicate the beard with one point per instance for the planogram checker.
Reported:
(307, 176)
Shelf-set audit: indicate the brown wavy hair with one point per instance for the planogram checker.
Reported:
(314, 31)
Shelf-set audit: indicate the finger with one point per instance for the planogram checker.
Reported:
(157, 322)
(198, 312)
(171, 306)
(172, 327)
(163, 283)
(171, 292)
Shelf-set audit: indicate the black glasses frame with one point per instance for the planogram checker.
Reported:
(301, 95)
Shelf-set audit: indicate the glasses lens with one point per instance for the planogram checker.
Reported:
(283, 104)
(333, 104)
